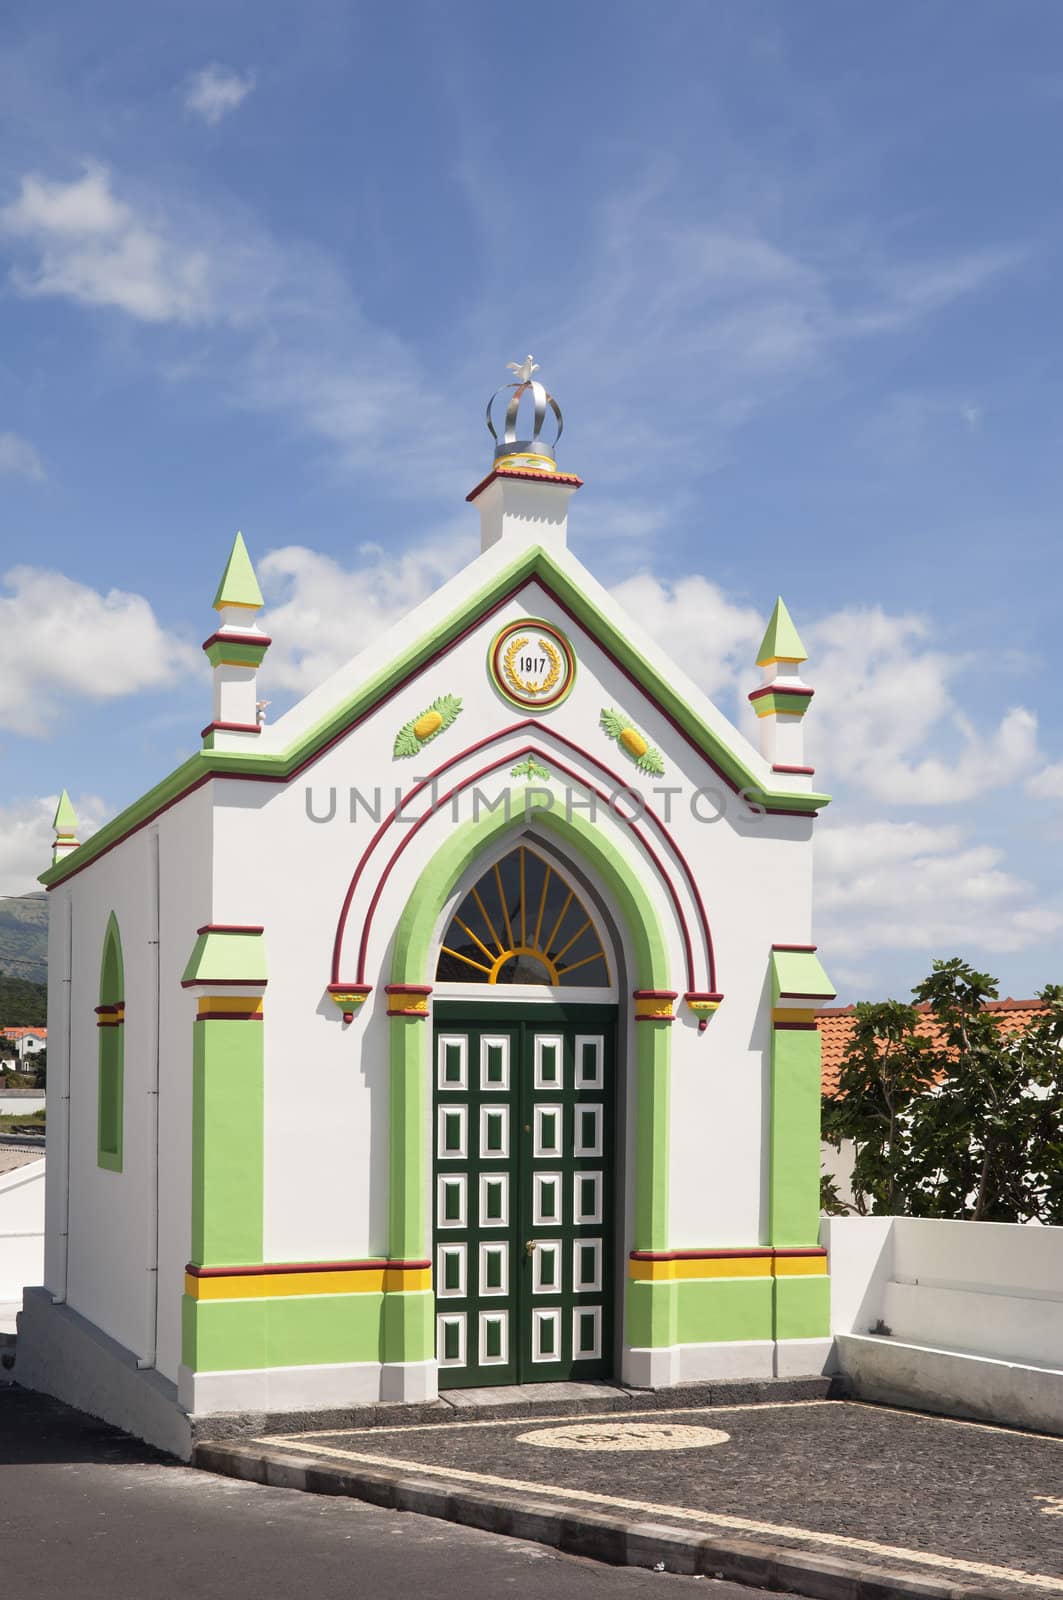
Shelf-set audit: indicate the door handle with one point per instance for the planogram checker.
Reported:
(531, 1247)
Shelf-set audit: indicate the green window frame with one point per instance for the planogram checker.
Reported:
(110, 1021)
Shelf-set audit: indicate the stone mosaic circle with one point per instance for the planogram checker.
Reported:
(601, 1436)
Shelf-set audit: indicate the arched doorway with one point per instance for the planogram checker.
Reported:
(524, 1126)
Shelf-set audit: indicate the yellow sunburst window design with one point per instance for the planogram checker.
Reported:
(521, 922)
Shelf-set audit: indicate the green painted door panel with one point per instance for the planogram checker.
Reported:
(523, 1180)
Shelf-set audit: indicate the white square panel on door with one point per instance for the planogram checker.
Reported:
(548, 1133)
(549, 1058)
(494, 1133)
(494, 1063)
(587, 1132)
(450, 1272)
(546, 1334)
(450, 1339)
(586, 1266)
(494, 1200)
(452, 1133)
(547, 1202)
(494, 1269)
(590, 1057)
(452, 1061)
(450, 1200)
(547, 1266)
(586, 1199)
(494, 1338)
(586, 1333)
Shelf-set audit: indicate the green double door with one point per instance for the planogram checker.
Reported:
(523, 1181)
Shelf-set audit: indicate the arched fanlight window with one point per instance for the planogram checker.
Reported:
(522, 923)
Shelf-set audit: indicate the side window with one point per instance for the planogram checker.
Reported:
(110, 1024)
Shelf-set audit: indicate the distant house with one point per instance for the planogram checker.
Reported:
(836, 1025)
(19, 1045)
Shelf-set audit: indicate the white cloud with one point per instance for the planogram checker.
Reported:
(904, 885)
(322, 614)
(19, 458)
(1047, 784)
(26, 837)
(61, 641)
(92, 247)
(912, 741)
(713, 639)
(214, 91)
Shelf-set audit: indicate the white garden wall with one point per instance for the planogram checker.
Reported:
(974, 1313)
(21, 1230)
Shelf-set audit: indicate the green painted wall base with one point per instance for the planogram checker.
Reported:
(698, 1311)
(802, 1308)
(305, 1330)
(707, 1310)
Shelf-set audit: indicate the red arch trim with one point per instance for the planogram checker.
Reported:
(580, 779)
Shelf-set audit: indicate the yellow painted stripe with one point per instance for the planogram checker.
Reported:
(272, 1285)
(786, 1014)
(800, 1266)
(241, 1003)
(702, 1267)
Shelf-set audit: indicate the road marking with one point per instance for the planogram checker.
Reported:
(681, 1513)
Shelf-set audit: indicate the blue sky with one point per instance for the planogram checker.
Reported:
(792, 271)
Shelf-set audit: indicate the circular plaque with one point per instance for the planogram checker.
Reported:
(533, 664)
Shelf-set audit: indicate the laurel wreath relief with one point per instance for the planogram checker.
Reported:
(513, 677)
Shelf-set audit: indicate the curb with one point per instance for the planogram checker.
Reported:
(585, 1533)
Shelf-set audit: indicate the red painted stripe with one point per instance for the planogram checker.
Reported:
(809, 772)
(224, 983)
(413, 1016)
(350, 988)
(227, 636)
(428, 662)
(114, 1005)
(655, 1019)
(780, 688)
(229, 1016)
(272, 1268)
(804, 949)
(655, 994)
(230, 727)
(726, 1255)
(701, 994)
(527, 473)
(407, 988)
(795, 1027)
(230, 927)
(493, 738)
(476, 776)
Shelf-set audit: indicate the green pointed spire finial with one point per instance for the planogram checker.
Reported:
(65, 820)
(239, 586)
(781, 642)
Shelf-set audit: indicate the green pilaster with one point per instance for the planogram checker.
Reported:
(407, 1172)
(802, 1307)
(652, 1313)
(795, 1098)
(409, 1326)
(653, 1043)
(227, 1135)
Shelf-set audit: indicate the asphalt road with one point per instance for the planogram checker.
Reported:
(87, 1513)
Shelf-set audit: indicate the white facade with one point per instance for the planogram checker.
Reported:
(277, 848)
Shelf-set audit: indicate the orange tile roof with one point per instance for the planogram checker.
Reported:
(835, 1025)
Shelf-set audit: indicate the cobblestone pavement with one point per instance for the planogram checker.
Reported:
(960, 1502)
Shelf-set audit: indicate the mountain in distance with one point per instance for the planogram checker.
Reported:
(24, 938)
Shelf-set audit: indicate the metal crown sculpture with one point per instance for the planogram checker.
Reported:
(531, 455)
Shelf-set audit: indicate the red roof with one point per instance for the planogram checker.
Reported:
(835, 1025)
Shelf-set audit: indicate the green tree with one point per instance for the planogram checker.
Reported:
(886, 1068)
(963, 1122)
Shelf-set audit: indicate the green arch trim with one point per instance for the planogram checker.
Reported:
(110, 1079)
(413, 936)
(411, 1041)
(112, 967)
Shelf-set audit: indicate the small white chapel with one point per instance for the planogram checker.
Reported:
(456, 1028)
